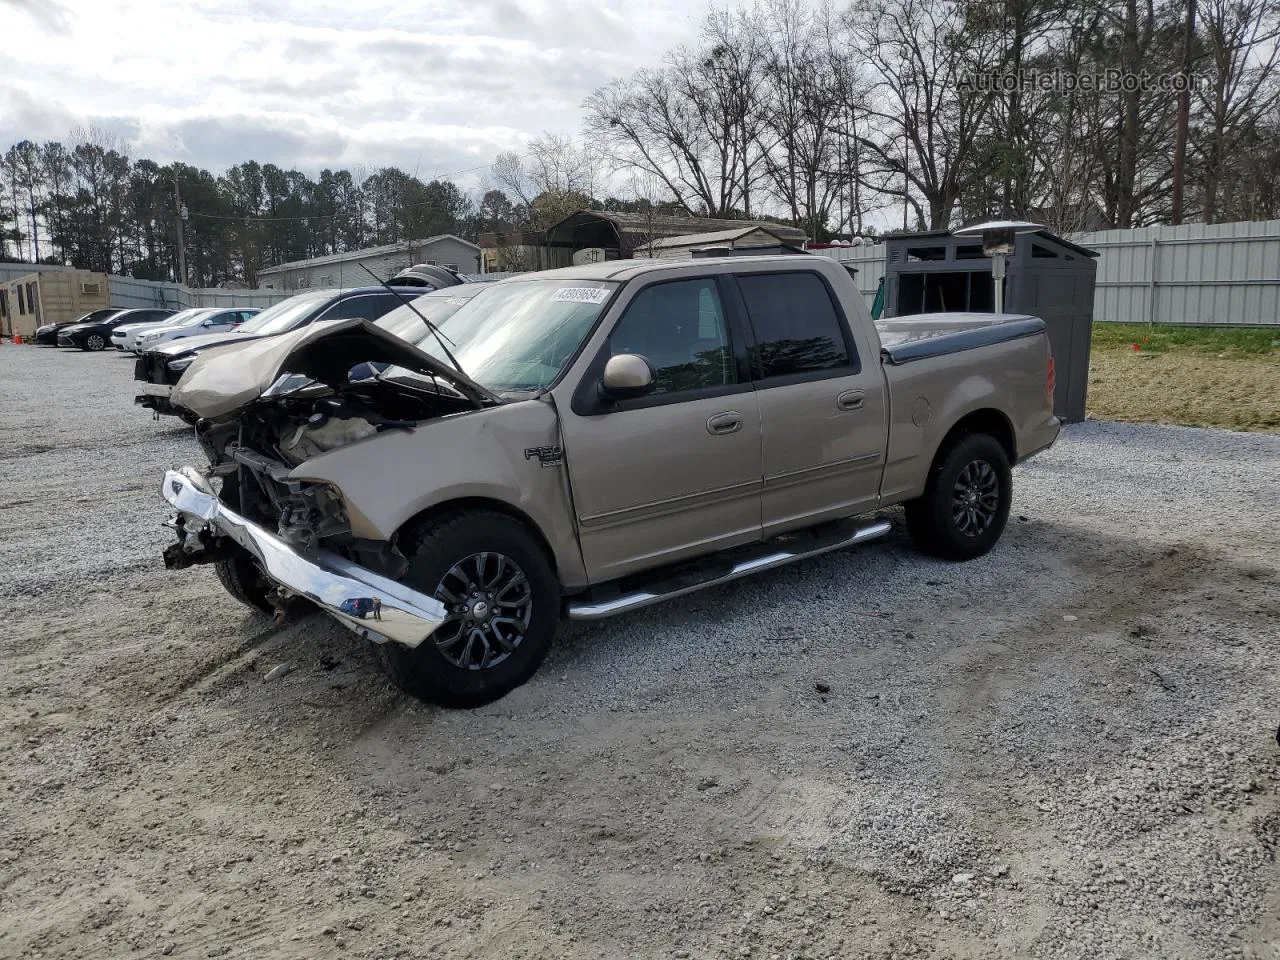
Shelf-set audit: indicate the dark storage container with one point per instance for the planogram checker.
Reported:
(1048, 277)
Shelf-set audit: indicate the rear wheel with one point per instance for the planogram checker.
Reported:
(966, 501)
(95, 341)
(503, 604)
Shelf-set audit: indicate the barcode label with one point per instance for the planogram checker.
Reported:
(581, 294)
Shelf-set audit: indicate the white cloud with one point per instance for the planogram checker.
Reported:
(429, 86)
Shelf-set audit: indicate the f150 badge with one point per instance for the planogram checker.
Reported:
(547, 456)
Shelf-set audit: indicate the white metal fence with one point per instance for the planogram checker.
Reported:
(129, 292)
(1225, 273)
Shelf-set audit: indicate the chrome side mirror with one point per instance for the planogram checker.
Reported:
(626, 376)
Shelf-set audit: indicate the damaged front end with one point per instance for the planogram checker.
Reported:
(266, 408)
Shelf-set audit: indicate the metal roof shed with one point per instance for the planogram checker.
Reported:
(1048, 277)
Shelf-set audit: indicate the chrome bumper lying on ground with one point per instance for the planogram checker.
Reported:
(368, 603)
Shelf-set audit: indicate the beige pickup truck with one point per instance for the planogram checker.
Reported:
(588, 441)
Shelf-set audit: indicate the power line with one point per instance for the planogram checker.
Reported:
(315, 216)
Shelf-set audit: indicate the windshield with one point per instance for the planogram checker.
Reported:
(407, 325)
(283, 315)
(195, 317)
(185, 317)
(516, 337)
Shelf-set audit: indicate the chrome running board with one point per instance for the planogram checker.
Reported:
(771, 560)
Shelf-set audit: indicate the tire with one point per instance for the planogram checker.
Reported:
(476, 657)
(241, 578)
(94, 342)
(973, 466)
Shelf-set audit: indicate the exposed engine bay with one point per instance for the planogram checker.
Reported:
(328, 389)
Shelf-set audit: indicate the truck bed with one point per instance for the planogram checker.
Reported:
(922, 335)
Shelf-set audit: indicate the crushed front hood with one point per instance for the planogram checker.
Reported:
(224, 381)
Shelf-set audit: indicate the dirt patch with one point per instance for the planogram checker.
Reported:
(1232, 390)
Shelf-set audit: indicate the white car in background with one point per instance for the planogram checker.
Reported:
(207, 320)
(126, 337)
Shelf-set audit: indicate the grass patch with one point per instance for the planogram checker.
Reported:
(1157, 336)
(1193, 376)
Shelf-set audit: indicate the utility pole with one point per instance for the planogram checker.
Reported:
(1184, 114)
(180, 215)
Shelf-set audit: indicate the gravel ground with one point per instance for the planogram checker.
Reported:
(1064, 749)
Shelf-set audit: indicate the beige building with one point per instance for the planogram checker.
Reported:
(50, 296)
(596, 235)
(746, 239)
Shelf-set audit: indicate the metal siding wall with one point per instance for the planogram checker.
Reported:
(218, 297)
(1226, 273)
(348, 273)
(129, 293)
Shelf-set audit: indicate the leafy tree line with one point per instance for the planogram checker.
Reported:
(89, 204)
(900, 111)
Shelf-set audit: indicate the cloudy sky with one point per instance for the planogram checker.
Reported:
(433, 87)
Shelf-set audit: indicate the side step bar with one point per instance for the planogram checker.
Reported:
(774, 558)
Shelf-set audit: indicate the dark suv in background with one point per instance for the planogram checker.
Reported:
(158, 370)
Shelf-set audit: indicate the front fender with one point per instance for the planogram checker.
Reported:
(509, 454)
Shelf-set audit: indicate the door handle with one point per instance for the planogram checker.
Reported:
(727, 422)
(851, 400)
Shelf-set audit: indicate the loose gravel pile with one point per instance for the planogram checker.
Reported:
(1064, 749)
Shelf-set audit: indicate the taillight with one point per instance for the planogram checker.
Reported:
(1050, 381)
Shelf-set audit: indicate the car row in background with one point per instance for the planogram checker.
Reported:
(409, 313)
(195, 322)
(160, 367)
(47, 335)
(96, 334)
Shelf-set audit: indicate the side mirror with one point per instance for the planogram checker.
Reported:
(626, 376)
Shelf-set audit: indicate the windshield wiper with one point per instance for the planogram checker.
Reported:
(408, 302)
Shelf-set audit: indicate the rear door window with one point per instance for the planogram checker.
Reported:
(797, 328)
(368, 307)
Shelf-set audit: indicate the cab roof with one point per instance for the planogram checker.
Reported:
(627, 269)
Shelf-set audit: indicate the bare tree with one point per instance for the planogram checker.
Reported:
(555, 178)
(1242, 57)
(928, 122)
(692, 124)
(804, 114)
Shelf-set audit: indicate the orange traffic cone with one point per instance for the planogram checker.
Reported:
(17, 338)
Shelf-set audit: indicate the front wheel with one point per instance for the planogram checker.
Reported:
(502, 602)
(966, 500)
(95, 341)
(241, 577)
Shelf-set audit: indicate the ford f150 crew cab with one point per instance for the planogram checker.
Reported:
(587, 441)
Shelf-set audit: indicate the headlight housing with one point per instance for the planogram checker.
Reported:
(177, 366)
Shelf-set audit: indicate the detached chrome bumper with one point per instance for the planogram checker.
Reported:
(370, 604)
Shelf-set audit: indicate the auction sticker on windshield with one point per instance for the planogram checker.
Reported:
(582, 294)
